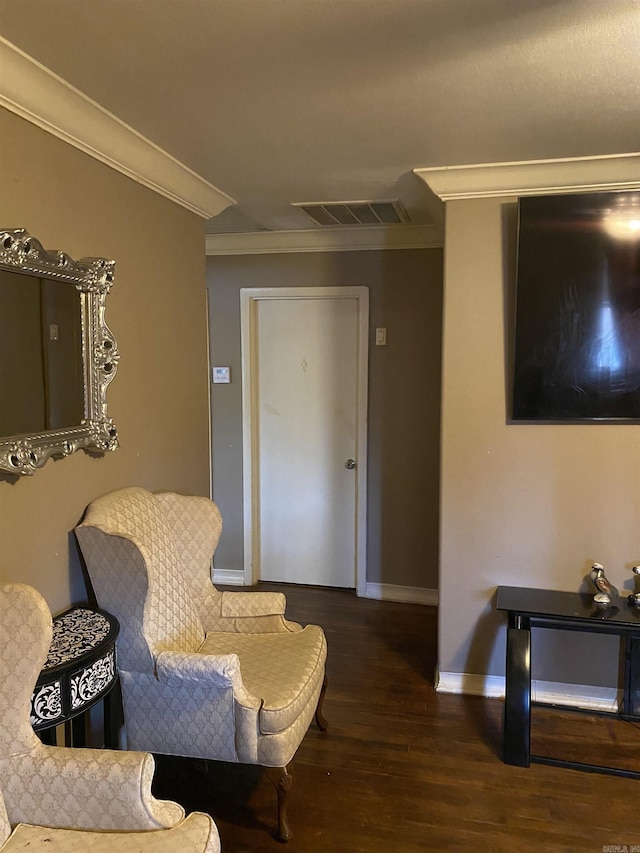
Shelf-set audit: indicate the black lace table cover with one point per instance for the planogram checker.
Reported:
(80, 669)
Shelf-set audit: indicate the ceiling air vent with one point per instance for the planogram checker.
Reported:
(355, 213)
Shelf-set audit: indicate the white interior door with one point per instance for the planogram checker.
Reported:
(307, 380)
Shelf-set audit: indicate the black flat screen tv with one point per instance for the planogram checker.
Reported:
(577, 324)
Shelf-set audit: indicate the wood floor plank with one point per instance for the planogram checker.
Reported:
(404, 769)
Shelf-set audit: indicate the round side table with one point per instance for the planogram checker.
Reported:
(79, 671)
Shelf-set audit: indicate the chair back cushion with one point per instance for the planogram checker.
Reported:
(197, 525)
(25, 638)
(132, 559)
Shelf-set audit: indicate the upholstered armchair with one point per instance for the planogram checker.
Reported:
(204, 673)
(66, 800)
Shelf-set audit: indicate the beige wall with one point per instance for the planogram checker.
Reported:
(157, 312)
(404, 397)
(522, 505)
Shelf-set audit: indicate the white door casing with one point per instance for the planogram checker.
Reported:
(329, 525)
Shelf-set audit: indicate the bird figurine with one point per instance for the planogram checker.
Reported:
(634, 598)
(602, 584)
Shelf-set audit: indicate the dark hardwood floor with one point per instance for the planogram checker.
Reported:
(403, 768)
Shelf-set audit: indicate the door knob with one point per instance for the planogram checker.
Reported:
(350, 464)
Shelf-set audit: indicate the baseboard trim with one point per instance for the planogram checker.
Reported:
(230, 577)
(404, 594)
(588, 697)
(380, 591)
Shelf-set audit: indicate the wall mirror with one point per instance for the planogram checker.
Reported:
(57, 355)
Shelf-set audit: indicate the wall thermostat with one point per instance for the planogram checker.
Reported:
(220, 375)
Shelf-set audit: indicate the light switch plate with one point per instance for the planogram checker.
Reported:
(381, 337)
(220, 375)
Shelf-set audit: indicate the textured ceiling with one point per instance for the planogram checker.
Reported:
(283, 101)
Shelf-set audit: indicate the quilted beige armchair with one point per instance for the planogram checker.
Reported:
(204, 673)
(65, 800)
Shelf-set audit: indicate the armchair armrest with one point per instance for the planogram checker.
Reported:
(243, 612)
(230, 703)
(241, 604)
(84, 789)
(205, 670)
(195, 834)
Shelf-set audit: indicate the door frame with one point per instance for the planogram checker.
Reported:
(249, 299)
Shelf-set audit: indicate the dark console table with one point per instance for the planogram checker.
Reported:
(80, 670)
(570, 611)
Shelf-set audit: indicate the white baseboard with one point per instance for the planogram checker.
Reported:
(230, 577)
(490, 686)
(406, 594)
(381, 591)
(585, 696)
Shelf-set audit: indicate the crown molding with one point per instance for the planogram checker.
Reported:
(38, 95)
(347, 239)
(534, 177)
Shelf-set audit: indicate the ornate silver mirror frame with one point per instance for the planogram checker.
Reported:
(92, 277)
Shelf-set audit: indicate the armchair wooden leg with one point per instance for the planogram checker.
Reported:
(281, 778)
(321, 722)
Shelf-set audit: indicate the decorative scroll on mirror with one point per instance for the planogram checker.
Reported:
(57, 355)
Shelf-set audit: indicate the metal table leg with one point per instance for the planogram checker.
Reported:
(517, 705)
(631, 692)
